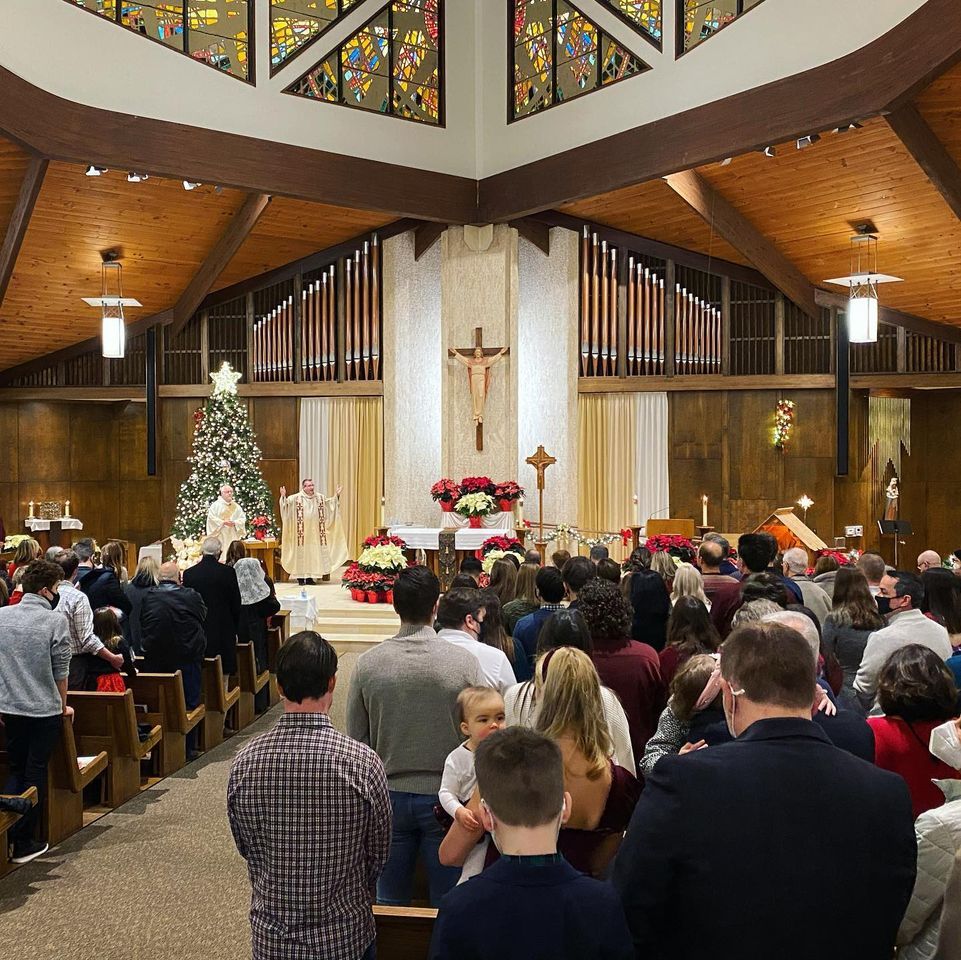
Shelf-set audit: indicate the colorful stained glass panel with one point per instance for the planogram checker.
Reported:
(163, 22)
(643, 14)
(703, 18)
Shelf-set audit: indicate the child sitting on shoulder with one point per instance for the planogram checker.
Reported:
(481, 713)
(531, 904)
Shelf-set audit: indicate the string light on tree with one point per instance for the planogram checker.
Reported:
(783, 423)
(224, 451)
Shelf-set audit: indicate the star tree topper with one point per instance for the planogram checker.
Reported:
(225, 379)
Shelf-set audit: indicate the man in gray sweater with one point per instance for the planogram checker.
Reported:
(34, 662)
(403, 703)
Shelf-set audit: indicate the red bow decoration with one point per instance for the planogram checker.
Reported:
(626, 535)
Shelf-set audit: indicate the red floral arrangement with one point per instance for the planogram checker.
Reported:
(260, 525)
(501, 543)
(844, 559)
(679, 547)
(355, 578)
(508, 490)
(445, 490)
(477, 485)
(380, 541)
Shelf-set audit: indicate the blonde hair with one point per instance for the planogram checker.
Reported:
(26, 551)
(689, 583)
(570, 706)
(662, 563)
(503, 580)
(111, 556)
(147, 569)
(527, 582)
(689, 683)
(469, 697)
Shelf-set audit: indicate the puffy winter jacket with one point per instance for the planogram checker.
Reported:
(172, 627)
(939, 842)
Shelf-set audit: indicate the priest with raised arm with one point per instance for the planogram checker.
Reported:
(305, 548)
(226, 519)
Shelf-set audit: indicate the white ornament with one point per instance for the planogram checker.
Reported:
(225, 379)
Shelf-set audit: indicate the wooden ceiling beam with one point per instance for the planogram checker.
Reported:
(223, 251)
(425, 236)
(20, 219)
(741, 234)
(929, 153)
(535, 232)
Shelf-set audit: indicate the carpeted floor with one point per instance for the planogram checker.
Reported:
(158, 878)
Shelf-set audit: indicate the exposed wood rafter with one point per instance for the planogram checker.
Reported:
(535, 232)
(20, 219)
(425, 236)
(741, 234)
(929, 153)
(223, 251)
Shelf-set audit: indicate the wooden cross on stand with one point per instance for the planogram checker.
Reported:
(540, 460)
(479, 360)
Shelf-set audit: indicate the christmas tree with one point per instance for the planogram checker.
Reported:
(225, 451)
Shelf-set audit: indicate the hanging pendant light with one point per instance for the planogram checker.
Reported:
(113, 331)
(863, 309)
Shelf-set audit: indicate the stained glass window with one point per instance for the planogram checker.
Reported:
(643, 15)
(391, 65)
(296, 23)
(700, 19)
(215, 32)
(558, 53)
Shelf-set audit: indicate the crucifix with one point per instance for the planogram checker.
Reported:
(540, 460)
(479, 360)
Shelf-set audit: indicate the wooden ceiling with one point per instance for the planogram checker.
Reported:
(804, 202)
(164, 233)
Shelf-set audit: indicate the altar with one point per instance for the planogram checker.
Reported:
(52, 533)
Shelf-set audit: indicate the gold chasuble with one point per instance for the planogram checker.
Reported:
(305, 551)
(220, 511)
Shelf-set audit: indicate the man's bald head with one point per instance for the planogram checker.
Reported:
(928, 560)
(170, 571)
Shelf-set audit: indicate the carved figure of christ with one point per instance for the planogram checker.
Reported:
(479, 360)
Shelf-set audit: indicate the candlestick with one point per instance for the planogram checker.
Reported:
(66, 508)
(30, 515)
(704, 510)
(383, 501)
(520, 512)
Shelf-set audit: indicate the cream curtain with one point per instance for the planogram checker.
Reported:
(342, 443)
(621, 454)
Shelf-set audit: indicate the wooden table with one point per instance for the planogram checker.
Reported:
(263, 550)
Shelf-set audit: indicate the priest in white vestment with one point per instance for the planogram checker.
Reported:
(226, 520)
(305, 548)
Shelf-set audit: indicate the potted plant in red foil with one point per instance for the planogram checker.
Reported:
(446, 493)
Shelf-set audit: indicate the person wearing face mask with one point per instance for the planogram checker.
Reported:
(460, 619)
(34, 663)
(531, 904)
(899, 602)
(727, 838)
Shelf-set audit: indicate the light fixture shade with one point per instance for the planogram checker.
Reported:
(113, 333)
(863, 316)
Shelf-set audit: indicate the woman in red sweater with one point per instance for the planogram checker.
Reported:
(917, 693)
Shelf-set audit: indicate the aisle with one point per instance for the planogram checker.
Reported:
(158, 878)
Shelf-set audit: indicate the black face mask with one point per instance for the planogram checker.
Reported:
(53, 601)
(884, 605)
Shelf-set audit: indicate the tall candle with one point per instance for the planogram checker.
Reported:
(66, 508)
(704, 510)
(30, 515)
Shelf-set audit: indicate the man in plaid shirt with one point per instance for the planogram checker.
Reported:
(310, 813)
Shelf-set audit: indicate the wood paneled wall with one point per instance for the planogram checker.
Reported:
(720, 444)
(92, 454)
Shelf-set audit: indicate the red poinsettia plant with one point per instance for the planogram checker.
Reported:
(679, 547)
(260, 526)
(508, 490)
(445, 490)
(477, 485)
(354, 578)
(501, 543)
(380, 541)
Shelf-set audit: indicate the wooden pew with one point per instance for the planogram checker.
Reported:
(250, 682)
(108, 722)
(7, 819)
(218, 703)
(403, 933)
(163, 693)
(66, 781)
(275, 640)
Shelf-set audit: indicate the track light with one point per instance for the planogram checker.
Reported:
(95, 171)
(726, 161)
(803, 142)
(191, 184)
(134, 177)
(853, 125)
(769, 151)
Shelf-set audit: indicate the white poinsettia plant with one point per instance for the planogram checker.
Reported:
(492, 557)
(384, 556)
(475, 505)
(14, 540)
(186, 552)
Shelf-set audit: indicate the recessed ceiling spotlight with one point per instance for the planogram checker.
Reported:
(191, 184)
(803, 142)
(853, 125)
(134, 177)
(95, 171)
(726, 161)
(769, 151)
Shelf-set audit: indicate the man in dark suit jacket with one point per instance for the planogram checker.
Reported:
(217, 584)
(776, 845)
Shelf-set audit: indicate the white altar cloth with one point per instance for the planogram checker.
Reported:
(493, 521)
(427, 538)
(33, 524)
(303, 612)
